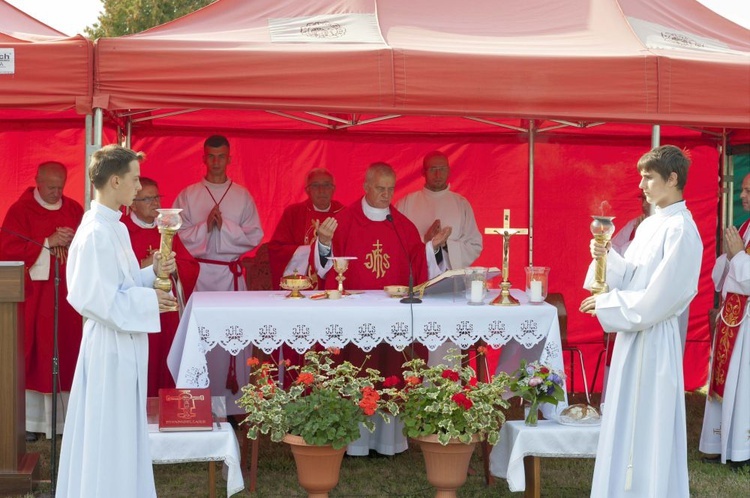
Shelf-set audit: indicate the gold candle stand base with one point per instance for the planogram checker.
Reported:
(504, 298)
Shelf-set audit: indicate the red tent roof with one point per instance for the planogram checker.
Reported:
(570, 59)
(53, 72)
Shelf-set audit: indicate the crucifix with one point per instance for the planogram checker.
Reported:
(505, 299)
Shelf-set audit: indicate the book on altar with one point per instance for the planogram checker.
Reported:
(185, 410)
(450, 281)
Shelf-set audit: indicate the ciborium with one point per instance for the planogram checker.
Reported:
(602, 229)
(168, 222)
(341, 264)
(295, 283)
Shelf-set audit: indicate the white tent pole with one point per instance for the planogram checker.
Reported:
(128, 132)
(655, 136)
(727, 192)
(86, 160)
(532, 132)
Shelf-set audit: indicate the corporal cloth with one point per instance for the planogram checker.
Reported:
(726, 420)
(32, 217)
(219, 251)
(146, 239)
(105, 451)
(644, 419)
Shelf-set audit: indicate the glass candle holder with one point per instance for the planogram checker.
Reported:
(475, 280)
(537, 279)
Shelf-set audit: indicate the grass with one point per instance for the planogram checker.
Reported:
(403, 476)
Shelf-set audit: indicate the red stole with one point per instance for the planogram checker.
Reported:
(732, 313)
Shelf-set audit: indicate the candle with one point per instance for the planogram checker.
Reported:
(477, 291)
(536, 291)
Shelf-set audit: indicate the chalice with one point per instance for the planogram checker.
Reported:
(341, 264)
(602, 229)
(168, 222)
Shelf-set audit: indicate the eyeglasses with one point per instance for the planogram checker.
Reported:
(321, 186)
(148, 199)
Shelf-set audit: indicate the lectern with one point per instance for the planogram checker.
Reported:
(18, 469)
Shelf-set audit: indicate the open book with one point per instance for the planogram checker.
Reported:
(449, 281)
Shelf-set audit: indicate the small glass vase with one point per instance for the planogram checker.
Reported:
(531, 412)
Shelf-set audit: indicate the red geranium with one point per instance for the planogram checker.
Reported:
(392, 381)
(305, 378)
(462, 400)
(450, 375)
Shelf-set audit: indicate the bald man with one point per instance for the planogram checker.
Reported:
(48, 218)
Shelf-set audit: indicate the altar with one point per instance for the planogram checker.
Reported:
(266, 319)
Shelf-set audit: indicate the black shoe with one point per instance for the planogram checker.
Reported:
(31, 437)
(711, 459)
(737, 466)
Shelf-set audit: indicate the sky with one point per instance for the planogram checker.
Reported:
(72, 16)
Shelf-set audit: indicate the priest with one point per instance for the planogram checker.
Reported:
(47, 219)
(642, 447)
(289, 248)
(726, 421)
(389, 251)
(146, 239)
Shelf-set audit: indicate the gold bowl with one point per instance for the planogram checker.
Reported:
(396, 290)
(295, 283)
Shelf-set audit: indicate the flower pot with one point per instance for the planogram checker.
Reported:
(447, 466)
(317, 466)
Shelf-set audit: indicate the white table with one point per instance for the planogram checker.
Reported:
(234, 320)
(200, 446)
(516, 456)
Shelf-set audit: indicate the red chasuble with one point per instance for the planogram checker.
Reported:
(29, 218)
(381, 260)
(296, 228)
(145, 241)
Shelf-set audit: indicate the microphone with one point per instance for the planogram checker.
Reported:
(55, 354)
(410, 299)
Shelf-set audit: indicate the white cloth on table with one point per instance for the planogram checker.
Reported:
(644, 422)
(726, 423)
(547, 439)
(200, 446)
(107, 287)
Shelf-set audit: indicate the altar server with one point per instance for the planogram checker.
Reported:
(643, 442)
(105, 451)
(726, 422)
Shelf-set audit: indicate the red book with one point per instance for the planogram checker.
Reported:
(185, 410)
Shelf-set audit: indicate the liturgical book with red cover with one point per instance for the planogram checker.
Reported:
(185, 410)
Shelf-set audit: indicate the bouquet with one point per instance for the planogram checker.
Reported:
(447, 401)
(537, 384)
(324, 405)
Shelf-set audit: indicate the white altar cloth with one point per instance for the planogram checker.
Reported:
(548, 439)
(200, 446)
(234, 320)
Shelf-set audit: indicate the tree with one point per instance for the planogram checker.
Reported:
(125, 17)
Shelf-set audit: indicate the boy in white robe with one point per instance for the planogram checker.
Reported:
(642, 448)
(105, 451)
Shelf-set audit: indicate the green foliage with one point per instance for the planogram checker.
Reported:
(125, 17)
(448, 402)
(324, 405)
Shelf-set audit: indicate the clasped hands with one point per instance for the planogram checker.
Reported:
(733, 243)
(437, 235)
(168, 265)
(214, 219)
(62, 237)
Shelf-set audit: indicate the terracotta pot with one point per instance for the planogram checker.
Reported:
(447, 466)
(317, 466)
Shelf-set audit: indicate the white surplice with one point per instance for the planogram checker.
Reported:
(240, 231)
(726, 423)
(425, 206)
(105, 450)
(643, 424)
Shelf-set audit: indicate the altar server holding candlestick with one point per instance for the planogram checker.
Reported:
(642, 447)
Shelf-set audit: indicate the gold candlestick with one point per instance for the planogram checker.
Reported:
(168, 222)
(602, 229)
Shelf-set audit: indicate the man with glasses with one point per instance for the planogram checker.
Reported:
(289, 248)
(145, 239)
(38, 228)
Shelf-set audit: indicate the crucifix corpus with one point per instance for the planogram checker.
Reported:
(505, 299)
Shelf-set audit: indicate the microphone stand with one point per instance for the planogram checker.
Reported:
(55, 357)
(410, 298)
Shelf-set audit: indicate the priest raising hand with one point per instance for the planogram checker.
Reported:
(326, 230)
